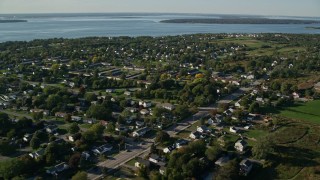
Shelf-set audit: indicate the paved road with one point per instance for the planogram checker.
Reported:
(123, 157)
(173, 130)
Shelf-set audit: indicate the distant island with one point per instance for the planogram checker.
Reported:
(241, 21)
(312, 27)
(12, 21)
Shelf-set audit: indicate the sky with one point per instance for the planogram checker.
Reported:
(249, 7)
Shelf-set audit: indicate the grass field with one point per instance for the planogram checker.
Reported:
(297, 152)
(309, 111)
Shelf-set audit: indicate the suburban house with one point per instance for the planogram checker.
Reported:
(27, 137)
(74, 137)
(181, 142)
(195, 135)
(51, 128)
(215, 121)
(57, 168)
(76, 118)
(233, 129)
(154, 158)
(237, 104)
(139, 124)
(141, 163)
(145, 104)
(169, 148)
(60, 114)
(37, 154)
(140, 132)
(168, 106)
(102, 149)
(222, 161)
(110, 90)
(240, 145)
(85, 155)
(127, 93)
(317, 87)
(144, 112)
(203, 129)
(245, 167)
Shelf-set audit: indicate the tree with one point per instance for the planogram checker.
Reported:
(262, 148)
(74, 160)
(53, 101)
(98, 130)
(81, 175)
(73, 128)
(98, 112)
(254, 107)
(153, 148)
(35, 142)
(228, 171)
(37, 115)
(6, 148)
(213, 152)
(162, 137)
(142, 171)
(10, 168)
(67, 118)
(197, 147)
(5, 123)
(182, 111)
(110, 127)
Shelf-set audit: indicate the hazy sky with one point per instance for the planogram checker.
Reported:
(256, 7)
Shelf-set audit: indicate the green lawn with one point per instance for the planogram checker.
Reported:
(309, 111)
(131, 162)
(255, 133)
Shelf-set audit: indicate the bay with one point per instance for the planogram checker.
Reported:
(44, 26)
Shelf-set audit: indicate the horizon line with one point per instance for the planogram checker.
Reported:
(194, 13)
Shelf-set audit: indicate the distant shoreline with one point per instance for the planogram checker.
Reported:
(12, 21)
(312, 27)
(241, 21)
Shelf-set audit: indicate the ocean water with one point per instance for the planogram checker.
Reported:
(44, 26)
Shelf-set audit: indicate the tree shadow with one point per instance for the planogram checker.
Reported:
(295, 156)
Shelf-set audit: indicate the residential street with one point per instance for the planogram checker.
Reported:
(138, 149)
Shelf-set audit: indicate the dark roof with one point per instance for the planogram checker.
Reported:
(154, 156)
(246, 162)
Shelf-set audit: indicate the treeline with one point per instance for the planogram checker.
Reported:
(242, 21)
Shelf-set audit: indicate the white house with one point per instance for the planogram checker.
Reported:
(127, 93)
(145, 104)
(76, 118)
(240, 145)
(144, 112)
(168, 106)
(195, 135)
(233, 129)
(141, 162)
(154, 158)
(203, 129)
(51, 128)
(27, 137)
(37, 154)
(237, 104)
(169, 149)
